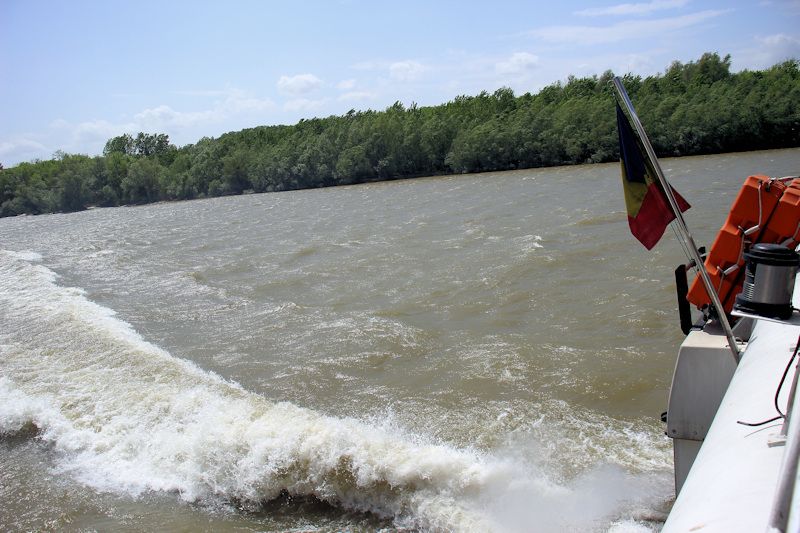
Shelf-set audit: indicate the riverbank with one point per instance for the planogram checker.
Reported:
(695, 108)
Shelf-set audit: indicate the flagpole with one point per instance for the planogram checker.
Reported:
(682, 228)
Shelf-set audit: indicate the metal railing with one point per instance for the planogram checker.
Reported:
(785, 516)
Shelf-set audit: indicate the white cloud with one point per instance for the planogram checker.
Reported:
(87, 136)
(792, 6)
(202, 92)
(367, 65)
(629, 29)
(632, 9)
(164, 116)
(304, 104)
(357, 96)
(235, 102)
(639, 63)
(233, 107)
(768, 51)
(406, 70)
(239, 102)
(17, 149)
(346, 85)
(94, 130)
(782, 41)
(518, 63)
(299, 84)
(59, 123)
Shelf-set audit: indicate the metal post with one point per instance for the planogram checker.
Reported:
(782, 509)
(790, 403)
(681, 223)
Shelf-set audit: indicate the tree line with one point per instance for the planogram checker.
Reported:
(700, 107)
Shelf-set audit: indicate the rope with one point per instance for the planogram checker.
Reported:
(793, 238)
(777, 392)
(721, 279)
(755, 228)
(685, 247)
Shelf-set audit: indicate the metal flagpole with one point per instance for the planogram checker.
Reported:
(681, 223)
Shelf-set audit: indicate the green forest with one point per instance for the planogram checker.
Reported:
(700, 107)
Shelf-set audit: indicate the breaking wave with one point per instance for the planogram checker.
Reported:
(125, 416)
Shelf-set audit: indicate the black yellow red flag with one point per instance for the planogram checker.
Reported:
(649, 212)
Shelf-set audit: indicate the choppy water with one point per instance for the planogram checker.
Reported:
(470, 353)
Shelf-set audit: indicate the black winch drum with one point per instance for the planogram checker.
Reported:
(769, 281)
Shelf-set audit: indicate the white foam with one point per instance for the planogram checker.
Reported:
(126, 416)
(17, 410)
(129, 417)
(630, 526)
(24, 256)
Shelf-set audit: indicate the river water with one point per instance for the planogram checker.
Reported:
(464, 353)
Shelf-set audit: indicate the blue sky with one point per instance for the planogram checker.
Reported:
(74, 74)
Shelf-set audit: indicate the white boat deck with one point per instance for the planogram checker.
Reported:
(732, 484)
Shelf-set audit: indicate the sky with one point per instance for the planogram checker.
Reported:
(75, 74)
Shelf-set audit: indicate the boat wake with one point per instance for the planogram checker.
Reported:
(125, 416)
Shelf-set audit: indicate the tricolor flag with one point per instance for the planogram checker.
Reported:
(649, 212)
